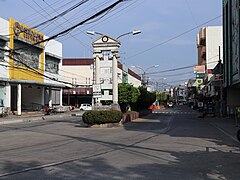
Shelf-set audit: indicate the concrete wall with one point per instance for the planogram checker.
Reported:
(214, 39)
(78, 74)
(132, 80)
(233, 97)
(2, 95)
(4, 30)
(54, 48)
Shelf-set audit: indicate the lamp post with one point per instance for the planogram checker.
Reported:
(135, 32)
(144, 75)
(106, 43)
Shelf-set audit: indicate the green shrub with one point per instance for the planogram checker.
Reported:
(101, 117)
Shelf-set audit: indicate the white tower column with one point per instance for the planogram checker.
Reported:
(114, 79)
(61, 92)
(97, 69)
(50, 98)
(8, 95)
(19, 99)
(42, 94)
(97, 73)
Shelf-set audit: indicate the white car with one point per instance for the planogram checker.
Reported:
(85, 107)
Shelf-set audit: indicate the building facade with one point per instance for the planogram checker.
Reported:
(82, 77)
(29, 68)
(210, 54)
(231, 53)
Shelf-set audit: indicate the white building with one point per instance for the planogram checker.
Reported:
(209, 39)
(79, 71)
(29, 75)
(210, 51)
(214, 40)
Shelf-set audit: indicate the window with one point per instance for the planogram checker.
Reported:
(106, 53)
(106, 70)
(2, 46)
(52, 64)
(26, 55)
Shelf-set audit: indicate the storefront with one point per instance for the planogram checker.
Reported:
(31, 81)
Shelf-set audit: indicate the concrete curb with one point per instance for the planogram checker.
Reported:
(20, 119)
(107, 125)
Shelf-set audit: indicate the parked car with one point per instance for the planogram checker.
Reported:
(85, 107)
(170, 104)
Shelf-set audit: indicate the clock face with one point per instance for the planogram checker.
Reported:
(104, 38)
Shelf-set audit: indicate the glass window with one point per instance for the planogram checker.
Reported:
(52, 64)
(2, 46)
(26, 55)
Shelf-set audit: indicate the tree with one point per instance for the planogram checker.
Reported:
(145, 99)
(163, 97)
(127, 95)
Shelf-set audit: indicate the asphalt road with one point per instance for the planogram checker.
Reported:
(169, 144)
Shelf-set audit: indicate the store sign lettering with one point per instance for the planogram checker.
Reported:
(27, 33)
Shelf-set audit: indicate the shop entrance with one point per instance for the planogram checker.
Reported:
(13, 98)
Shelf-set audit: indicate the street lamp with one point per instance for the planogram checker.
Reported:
(134, 32)
(93, 33)
(99, 48)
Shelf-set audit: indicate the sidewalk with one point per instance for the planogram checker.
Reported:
(226, 125)
(36, 116)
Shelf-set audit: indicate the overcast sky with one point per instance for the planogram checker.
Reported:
(159, 20)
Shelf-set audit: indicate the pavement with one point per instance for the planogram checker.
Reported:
(227, 125)
(36, 116)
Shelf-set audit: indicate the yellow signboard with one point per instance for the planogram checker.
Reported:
(19, 69)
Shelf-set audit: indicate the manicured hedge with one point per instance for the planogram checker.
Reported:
(101, 117)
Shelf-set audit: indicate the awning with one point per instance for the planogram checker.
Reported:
(217, 68)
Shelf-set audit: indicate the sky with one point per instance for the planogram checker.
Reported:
(168, 30)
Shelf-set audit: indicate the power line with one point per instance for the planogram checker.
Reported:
(60, 25)
(61, 14)
(170, 70)
(81, 23)
(191, 12)
(101, 22)
(179, 68)
(32, 70)
(174, 37)
(35, 15)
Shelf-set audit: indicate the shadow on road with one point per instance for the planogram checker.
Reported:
(175, 165)
(188, 148)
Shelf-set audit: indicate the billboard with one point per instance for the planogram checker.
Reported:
(199, 69)
(27, 61)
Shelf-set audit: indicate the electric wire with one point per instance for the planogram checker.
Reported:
(108, 18)
(60, 14)
(191, 12)
(174, 37)
(62, 33)
(29, 68)
(62, 28)
(177, 68)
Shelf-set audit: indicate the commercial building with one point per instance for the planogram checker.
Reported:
(231, 53)
(29, 68)
(210, 54)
